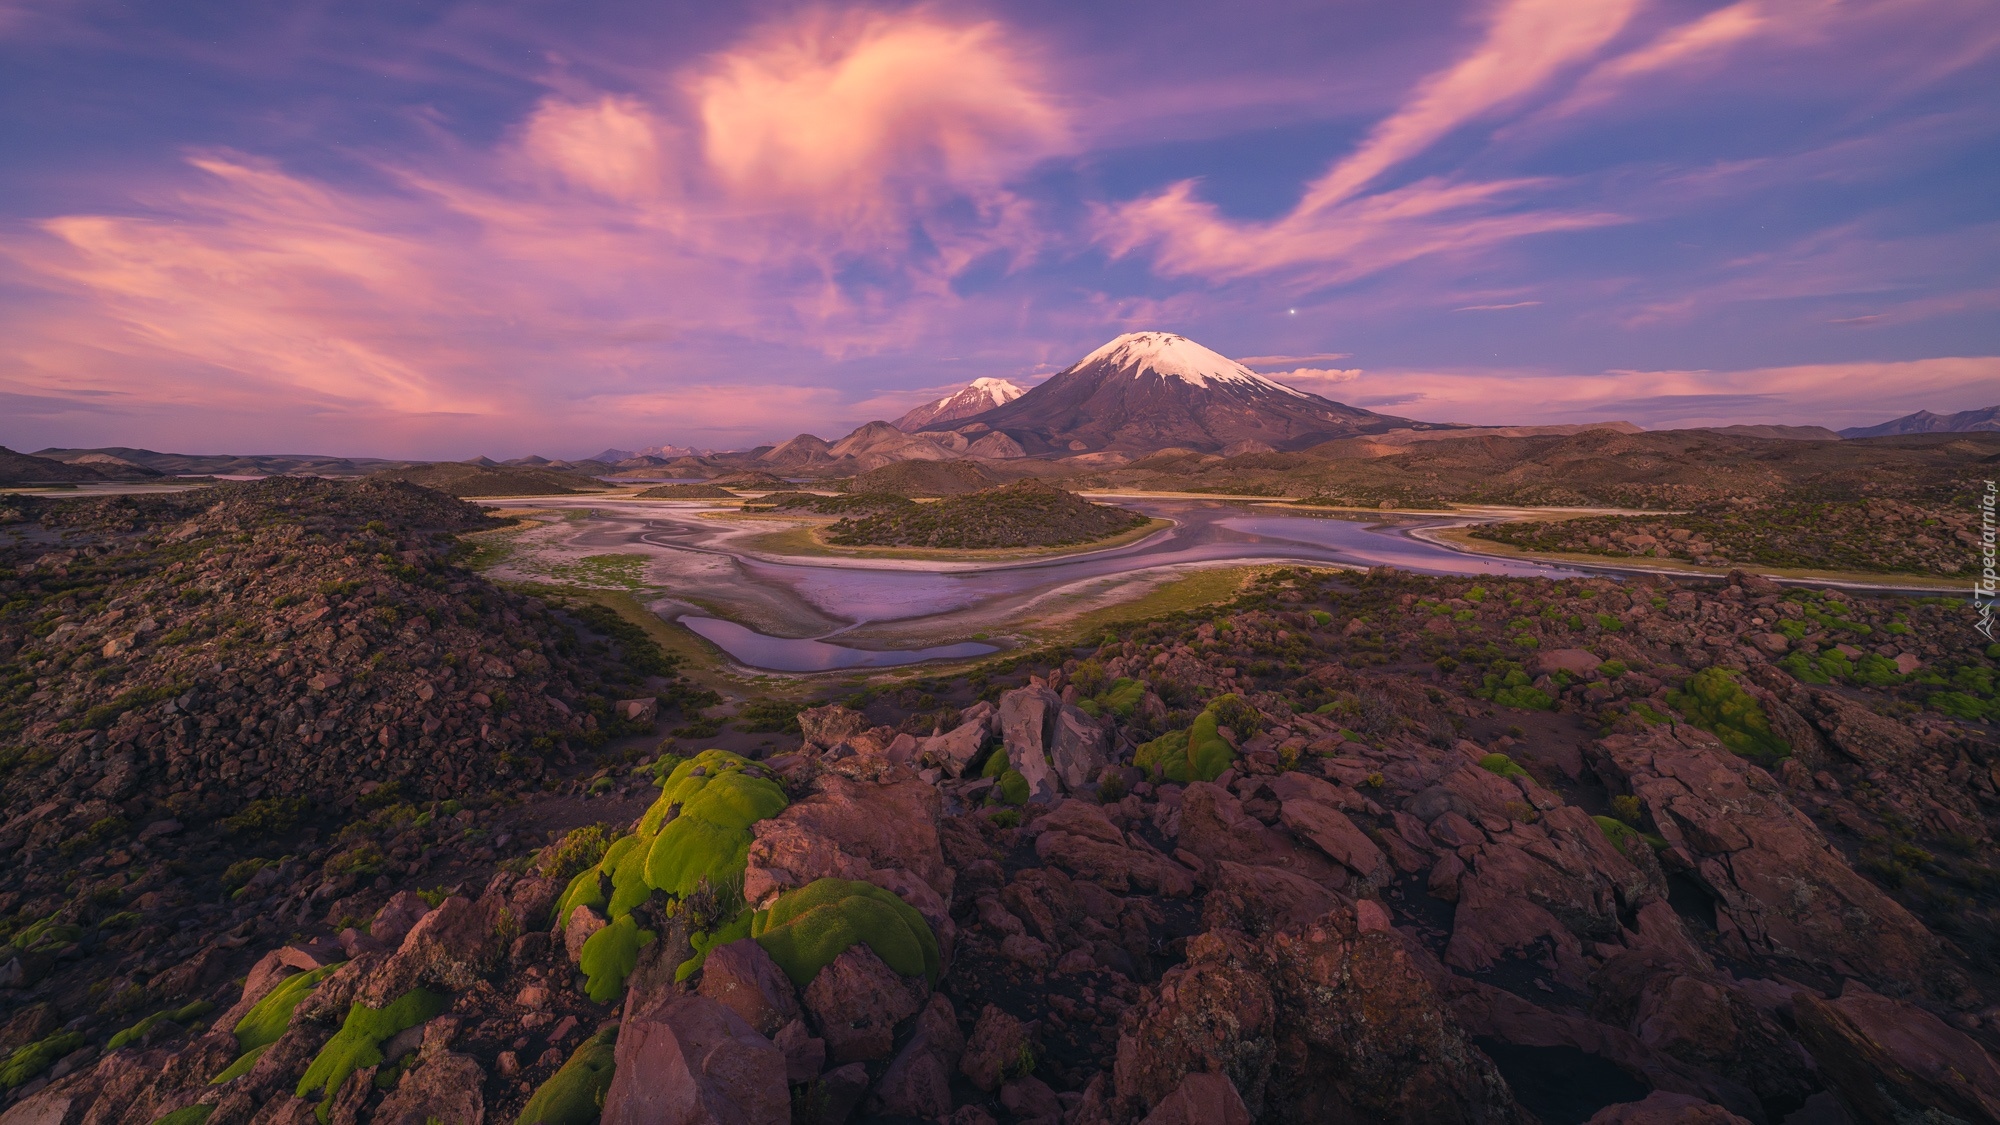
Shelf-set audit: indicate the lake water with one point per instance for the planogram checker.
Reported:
(803, 654)
(847, 613)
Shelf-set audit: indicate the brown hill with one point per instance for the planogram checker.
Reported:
(1027, 513)
(925, 478)
(460, 478)
(25, 468)
(687, 492)
(1671, 469)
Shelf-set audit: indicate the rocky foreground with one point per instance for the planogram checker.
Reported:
(1356, 848)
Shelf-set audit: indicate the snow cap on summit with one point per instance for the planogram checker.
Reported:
(1172, 355)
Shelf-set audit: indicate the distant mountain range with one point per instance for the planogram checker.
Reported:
(1924, 422)
(1140, 397)
(1146, 391)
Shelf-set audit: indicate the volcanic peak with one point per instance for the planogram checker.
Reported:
(1172, 355)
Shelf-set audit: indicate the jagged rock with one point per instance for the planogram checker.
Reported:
(840, 1090)
(1030, 1101)
(1780, 889)
(1330, 830)
(805, 1053)
(1257, 900)
(583, 922)
(444, 1087)
(1212, 1013)
(997, 1047)
(1678, 1005)
(690, 1060)
(1215, 827)
(448, 948)
(644, 712)
(829, 726)
(918, 1081)
(393, 922)
(1892, 1062)
(1080, 838)
(1201, 1099)
(956, 750)
(1078, 748)
(1027, 717)
(857, 1001)
(1861, 734)
(744, 979)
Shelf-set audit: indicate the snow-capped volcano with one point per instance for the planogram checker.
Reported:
(1146, 391)
(976, 397)
(1173, 356)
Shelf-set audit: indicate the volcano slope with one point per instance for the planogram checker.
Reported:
(1351, 848)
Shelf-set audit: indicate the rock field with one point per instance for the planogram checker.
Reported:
(308, 823)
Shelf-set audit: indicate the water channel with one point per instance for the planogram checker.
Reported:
(804, 614)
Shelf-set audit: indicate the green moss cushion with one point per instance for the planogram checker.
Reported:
(996, 763)
(359, 1041)
(267, 1020)
(809, 927)
(710, 839)
(186, 1115)
(574, 1095)
(609, 957)
(1195, 754)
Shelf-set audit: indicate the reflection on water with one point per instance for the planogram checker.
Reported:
(863, 595)
(917, 598)
(783, 654)
(1357, 543)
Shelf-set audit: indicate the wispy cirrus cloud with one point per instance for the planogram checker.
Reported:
(599, 242)
(1338, 232)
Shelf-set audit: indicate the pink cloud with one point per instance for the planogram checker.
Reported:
(609, 256)
(845, 110)
(1527, 43)
(612, 145)
(1336, 233)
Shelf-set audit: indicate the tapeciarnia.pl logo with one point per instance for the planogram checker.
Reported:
(1986, 588)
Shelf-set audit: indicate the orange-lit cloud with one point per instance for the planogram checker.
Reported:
(611, 146)
(843, 110)
(549, 276)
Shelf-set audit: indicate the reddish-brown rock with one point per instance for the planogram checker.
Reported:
(742, 977)
(1201, 1099)
(691, 1061)
(918, 1081)
(857, 1001)
(996, 1049)
(1892, 1062)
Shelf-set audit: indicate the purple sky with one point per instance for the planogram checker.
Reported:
(436, 229)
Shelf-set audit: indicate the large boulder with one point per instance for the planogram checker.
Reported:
(691, 1061)
(1891, 1061)
(1079, 837)
(1079, 748)
(918, 1081)
(1201, 1099)
(1780, 889)
(857, 1001)
(743, 978)
(1027, 720)
(829, 726)
(444, 1087)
